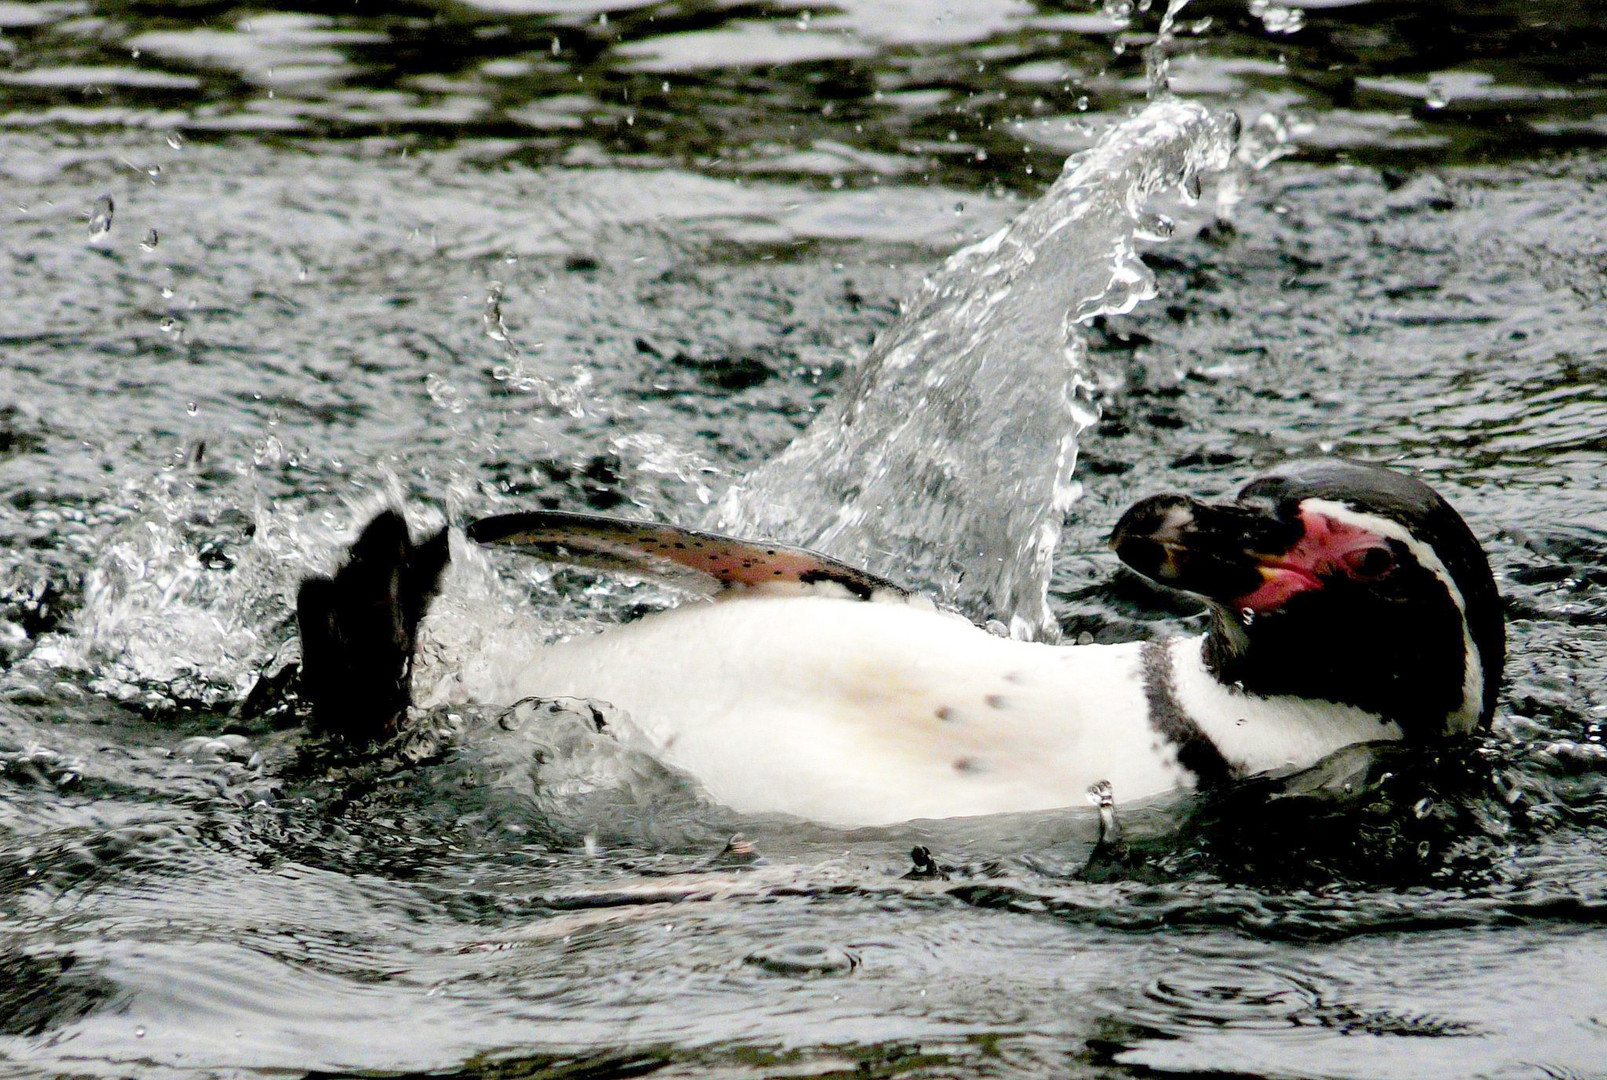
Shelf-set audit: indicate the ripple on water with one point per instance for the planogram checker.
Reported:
(172, 902)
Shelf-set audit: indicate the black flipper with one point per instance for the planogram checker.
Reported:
(358, 629)
(699, 561)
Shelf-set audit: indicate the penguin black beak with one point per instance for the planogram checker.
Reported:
(1220, 551)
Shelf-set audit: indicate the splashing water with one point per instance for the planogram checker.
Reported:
(1157, 58)
(947, 460)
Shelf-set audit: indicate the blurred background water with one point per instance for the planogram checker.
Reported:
(264, 268)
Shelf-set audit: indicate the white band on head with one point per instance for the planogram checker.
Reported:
(1467, 717)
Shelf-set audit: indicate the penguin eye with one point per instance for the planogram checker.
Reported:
(1369, 564)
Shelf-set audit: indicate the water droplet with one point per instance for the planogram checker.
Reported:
(443, 393)
(167, 292)
(139, 1032)
(602, 18)
(1434, 95)
(134, 53)
(959, 208)
(1119, 11)
(268, 451)
(1154, 227)
(150, 241)
(664, 87)
(1248, 615)
(980, 155)
(192, 408)
(837, 183)
(1191, 187)
(494, 327)
(168, 325)
(175, 140)
(556, 48)
(100, 219)
(510, 257)
(1082, 102)
(1200, 26)
(1276, 18)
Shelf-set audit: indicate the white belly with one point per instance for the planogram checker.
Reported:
(855, 713)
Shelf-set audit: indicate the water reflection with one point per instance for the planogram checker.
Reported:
(1005, 82)
(187, 426)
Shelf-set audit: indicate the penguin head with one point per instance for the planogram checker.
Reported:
(1339, 581)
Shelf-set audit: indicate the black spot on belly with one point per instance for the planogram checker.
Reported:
(946, 714)
(997, 701)
(967, 766)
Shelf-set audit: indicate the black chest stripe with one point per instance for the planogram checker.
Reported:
(1195, 751)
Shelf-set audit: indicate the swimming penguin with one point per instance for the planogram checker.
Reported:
(1348, 603)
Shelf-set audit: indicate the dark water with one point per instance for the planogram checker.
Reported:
(517, 253)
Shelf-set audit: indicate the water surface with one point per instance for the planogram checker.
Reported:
(265, 269)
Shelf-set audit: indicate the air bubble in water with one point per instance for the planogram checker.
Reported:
(1434, 95)
(100, 219)
(192, 408)
(168, 325)
(150, 241)
(167, 292)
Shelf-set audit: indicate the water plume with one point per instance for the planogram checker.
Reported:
(946, 461)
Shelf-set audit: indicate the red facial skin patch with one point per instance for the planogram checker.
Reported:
(1328, 547)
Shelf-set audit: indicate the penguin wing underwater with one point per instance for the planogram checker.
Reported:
(1347, 604)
